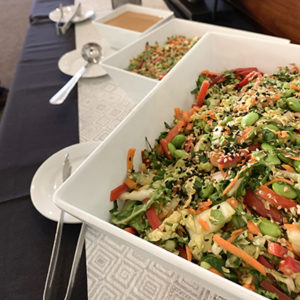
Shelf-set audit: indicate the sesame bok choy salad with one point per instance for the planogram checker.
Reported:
(221, 186)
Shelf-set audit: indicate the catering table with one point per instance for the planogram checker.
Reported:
(31, 131)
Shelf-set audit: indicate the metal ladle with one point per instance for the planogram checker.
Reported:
(91, 53)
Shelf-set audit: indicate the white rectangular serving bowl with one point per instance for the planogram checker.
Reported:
(138, 86)
(85, 194)
(119, 37)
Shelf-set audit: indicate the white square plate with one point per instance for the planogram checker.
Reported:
(86, 193)
(138, 86)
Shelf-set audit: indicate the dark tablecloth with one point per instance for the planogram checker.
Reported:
(31, 130)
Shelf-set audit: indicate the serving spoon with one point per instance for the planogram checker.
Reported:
(91, 53)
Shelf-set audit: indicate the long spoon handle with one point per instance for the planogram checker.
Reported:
(63, 93)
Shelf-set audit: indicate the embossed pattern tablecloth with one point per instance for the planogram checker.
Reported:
(114, 270)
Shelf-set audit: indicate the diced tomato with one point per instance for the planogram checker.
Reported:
(298, 131)
(267, 285)
(277, 250)
(289, 266)
(189, 145)
(161, 77)
(118, 191)
(254, 202)
(152, 216)
(274, 198)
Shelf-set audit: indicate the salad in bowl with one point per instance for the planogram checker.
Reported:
(221, 186)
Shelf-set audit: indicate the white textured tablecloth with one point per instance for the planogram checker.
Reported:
(116, 271)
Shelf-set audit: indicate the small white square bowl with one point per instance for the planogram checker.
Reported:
(119, 37)
(138, 86)
(85, 194)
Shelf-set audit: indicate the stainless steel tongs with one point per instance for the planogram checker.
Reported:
(66, 172)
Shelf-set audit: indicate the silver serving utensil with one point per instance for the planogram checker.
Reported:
(66, 172)
(68, 23)
(91, 53)
(60, 24)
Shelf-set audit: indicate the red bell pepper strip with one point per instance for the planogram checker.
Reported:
(118, 191)
(218, 79)
(289, 266)
(140, 64)
(265, 262)
(246, 79)
(145, 160)
(254, 202)
(202, 93)
(253, 147)
(161, 77)
(229, 162)
(130, 230)
(274, 198)
(245, 71)
(152, 216)
(164, 145)
(157, 60)
(267, 285)
(277, 250)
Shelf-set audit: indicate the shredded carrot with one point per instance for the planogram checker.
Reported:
(290, 247)
(130, 230)
(240, 253)
(293, 157)
(295, 87)
(130, 183)
(221, 168)
(279, 179)
(281, 134)
(291, 226)
(191, 211)
(274, 97)
(203, 206)
(189, 126)
(177, 113)
(250, 286)
(186, 117)
(250, 236)
(180, 125)
(188, 253)
(204, 224)
(215, 271)
(288, 168)
(209, 74)
(244, 135)
(252, 227)
(233, 202)
(230, 185)
(130, 157)
(234, 234)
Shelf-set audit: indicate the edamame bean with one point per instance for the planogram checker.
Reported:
(288, 93)
(207, 166)
(171, 148)
(267, 147)
(204, 143)
(271, 127)
(178, 140)
(273, 159)
(296, 164)
(179, 153)
(268, 228)
(294, 104)
(250, 119)
(284, 189)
